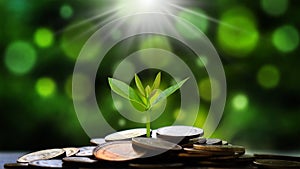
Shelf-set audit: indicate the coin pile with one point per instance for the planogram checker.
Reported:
(168, 147)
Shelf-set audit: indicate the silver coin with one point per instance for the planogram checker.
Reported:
(126, 134)
(213, 141)
(86, 151)
(41, 155)
(97, 141)
(154, 144)
(70, 151)
(180, 131)
(79, 160)
(47, 163)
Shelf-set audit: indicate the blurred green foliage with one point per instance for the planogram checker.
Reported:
(40, 41)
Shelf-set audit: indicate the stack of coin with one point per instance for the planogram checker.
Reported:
(168, 147)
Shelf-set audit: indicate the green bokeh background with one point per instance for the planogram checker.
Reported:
(258, 42)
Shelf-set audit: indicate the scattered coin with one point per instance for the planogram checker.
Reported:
(154, 144)
(15, 165)
(41, 155)
(276, 156)
(193, 155)
(86, 151)
(224, 142)
(209, 153)
(178, 133)
(160, 165)
(70, 151)
(223, 148)
(126, 134)
(79, 160)
(47, 163)
(97, 141)
(272, 163)
(117, 151)
(213, 141)
(198, 140)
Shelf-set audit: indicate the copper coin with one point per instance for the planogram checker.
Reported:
(70, 151)
(154, 144)
(79, 160)
(47, 163)
(97, 141)
(41, 155)
(126, 134)
(117, 151)
(86, 151)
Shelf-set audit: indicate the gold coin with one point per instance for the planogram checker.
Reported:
(41, 155)
(126, 134)
(117, 151)
(70, 151)
(222, 148)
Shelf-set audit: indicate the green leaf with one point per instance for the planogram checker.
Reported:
(168, 91)
(148, 91)
(125, 91)
(139, 84)
(156, 82)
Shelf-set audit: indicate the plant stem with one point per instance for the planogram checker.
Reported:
(148, 124)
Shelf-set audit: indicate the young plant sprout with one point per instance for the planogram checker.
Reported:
(144, 98)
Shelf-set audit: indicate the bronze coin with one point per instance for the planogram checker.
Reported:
(117, 151)
(97, 141)
(15, 165)
(272, 163)
(47, 163)
(154, 144)
(41, 155)
(126, 134)
(70, 151)
(86, 151)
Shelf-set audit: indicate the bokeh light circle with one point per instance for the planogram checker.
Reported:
(268, 76)
(66, 11)
(274, 7)
(286, 38)
(237, 32)
(45, 86)
(43, 37)
(240, 101)
(20, 57)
